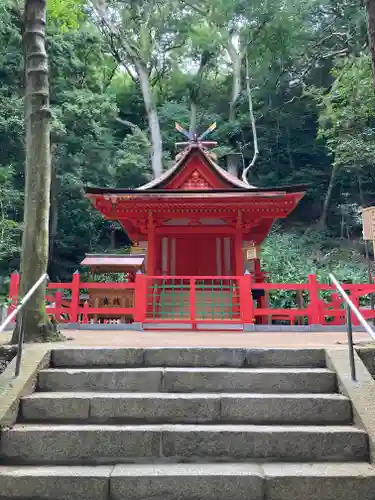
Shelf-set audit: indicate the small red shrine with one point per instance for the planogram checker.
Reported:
(197, 219)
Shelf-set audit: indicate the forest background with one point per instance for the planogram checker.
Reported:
(122, 72)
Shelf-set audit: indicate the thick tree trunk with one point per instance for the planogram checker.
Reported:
(324, 216)
(153, 121)
(370, 7)
(34, 256)
(236, 60)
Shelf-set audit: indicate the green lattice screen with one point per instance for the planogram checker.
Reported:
(215, 299)
(168, 299)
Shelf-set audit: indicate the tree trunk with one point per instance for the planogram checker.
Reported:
(193, 117)
(324, 216)
(236, 60)
(34, 255)
(370, 7)
(153, 120)
(53, 212)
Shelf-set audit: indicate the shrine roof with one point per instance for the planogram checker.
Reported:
(163, 185)
(195, 148)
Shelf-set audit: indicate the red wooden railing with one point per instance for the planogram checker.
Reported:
(201, 299)
(67, 305)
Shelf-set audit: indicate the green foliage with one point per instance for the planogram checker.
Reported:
(10, 229)
(131, 164)
(348, 114)
(310, 254)
(66, 14)
(291, 257)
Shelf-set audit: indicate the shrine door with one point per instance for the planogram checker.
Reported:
(201, 255)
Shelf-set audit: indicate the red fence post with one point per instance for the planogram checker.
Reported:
(13, 291)
(246, 299)
(58, 302)
(192, 302)
(140, 298)
(315, 317)
(74, 306)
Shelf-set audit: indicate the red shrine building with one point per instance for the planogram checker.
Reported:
(199, 229)
(197, 219)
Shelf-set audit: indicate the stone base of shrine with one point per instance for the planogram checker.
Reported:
(219, 327)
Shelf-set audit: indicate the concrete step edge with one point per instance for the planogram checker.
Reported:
(183, 396)
(282, 469)
(20, 427)
(308, 481)
(187, 369)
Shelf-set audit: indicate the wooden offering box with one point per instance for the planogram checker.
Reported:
(105, 297)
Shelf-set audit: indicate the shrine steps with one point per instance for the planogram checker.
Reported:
(186, 424)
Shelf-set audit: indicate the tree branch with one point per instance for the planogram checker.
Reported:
(110, 77)
(195, 7)
(131, 125)
(99, 6)
(253, 125)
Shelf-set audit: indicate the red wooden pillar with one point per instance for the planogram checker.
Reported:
(315, 317)
(355, 299)
(238, 246)
(74, 305)
(246, 299)
(151, 247)
(192, 303)
(140, 298)
(13, 291)
(58, 303)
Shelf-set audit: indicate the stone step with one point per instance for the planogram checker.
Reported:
(263, 380)
(54, 483)
(277, 481)
(189, 357)
(111, 444)
(186, 408)
(306, 481)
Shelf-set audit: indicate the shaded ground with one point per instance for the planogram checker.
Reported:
(202, 339)
(6, 356)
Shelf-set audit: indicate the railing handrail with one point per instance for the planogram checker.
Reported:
(353, 307)
(14, 313)
(27, 296)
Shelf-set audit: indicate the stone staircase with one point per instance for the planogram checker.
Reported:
(186, 424)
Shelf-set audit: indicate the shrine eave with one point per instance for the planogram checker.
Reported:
(167, 192)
